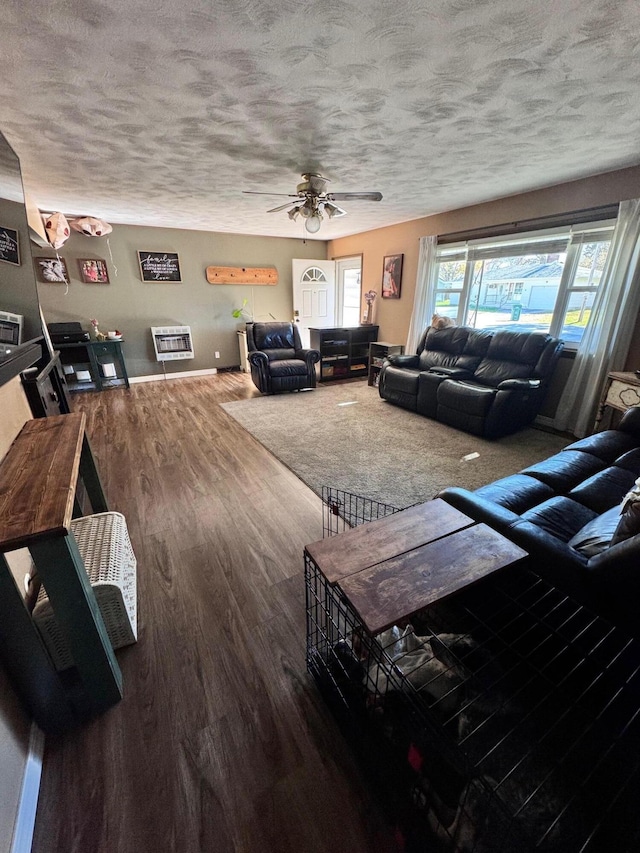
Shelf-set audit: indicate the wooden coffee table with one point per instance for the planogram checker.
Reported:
(391, 568)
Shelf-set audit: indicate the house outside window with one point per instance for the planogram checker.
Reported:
(544, 281)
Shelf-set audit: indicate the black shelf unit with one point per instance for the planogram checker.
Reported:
(344, 351)
(378, 351)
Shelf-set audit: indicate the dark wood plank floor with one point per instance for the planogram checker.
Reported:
(221, 742)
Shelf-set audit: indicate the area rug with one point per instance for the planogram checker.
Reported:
(345, 436)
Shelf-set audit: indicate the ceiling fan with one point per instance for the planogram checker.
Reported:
(312, 201)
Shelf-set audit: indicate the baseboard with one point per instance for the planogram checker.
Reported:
(26, 817)
(179, 374)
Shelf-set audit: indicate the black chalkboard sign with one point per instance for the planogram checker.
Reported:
(9, 246)
(159, 266)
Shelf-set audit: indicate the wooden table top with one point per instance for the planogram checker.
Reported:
(624, 376)
(396, 589)
(38, 478)
(391, 568)
(354, 550)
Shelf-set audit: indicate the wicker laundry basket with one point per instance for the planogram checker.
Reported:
(104, 545)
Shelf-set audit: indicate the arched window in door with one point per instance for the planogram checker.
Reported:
(313, 274)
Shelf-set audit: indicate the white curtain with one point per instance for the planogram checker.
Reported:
(425, 291)
(606, 339)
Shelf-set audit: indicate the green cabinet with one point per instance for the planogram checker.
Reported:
(93, 365)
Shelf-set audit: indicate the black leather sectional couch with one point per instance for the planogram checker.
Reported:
(483, 382)
(564, 511)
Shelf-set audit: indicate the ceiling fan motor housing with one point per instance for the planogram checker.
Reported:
(312, 183)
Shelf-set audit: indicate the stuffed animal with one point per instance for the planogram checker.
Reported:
(439, 321)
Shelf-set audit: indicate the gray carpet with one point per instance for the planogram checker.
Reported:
(377, 450)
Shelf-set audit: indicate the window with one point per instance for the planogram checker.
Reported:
(313, 274)
(543, 281)
(348, 274)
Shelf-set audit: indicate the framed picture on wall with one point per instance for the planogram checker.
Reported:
(392, 276)
(93, 271)
(9, 246)
(159, 266)
(52, 270)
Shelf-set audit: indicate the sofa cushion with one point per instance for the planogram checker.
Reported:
(288, 367)
(517, 492)
(401, 379)
(630, 461)
(597, 534)
(559, 516)
(274, 336)
(470, 397)
(450, 340)
(511, 355)
(602, 491)
(607, 445)
(443, 347)
(279, 354)
(563, 471)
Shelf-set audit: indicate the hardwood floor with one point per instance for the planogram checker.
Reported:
(221, 742)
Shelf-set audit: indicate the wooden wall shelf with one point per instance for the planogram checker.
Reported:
(242, 275)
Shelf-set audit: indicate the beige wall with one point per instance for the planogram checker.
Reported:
(393, 315)
(14, 723)
(132, 306)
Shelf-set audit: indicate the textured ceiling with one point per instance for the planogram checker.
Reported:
(159, 113)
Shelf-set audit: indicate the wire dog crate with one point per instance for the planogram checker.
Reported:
(342, 510)
(505, 718)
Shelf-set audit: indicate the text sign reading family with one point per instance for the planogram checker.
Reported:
(159, 266)
(9, 248)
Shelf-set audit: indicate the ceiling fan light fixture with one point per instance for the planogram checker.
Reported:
(293, 213)
(313, 223)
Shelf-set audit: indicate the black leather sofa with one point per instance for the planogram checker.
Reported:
(564, 510)
(490, 383)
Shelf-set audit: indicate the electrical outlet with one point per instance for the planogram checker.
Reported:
(217, 354)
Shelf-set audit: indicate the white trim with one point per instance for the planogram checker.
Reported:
(26, 817)
(178, 374)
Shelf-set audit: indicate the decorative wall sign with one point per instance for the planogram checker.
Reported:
(392, 276)
(159, 266)
(93, 271)
(242, 275)
(9, 246)
(52, 270)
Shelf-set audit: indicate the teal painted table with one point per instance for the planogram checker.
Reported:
(38, 479)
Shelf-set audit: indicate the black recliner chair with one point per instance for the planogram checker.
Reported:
(278, 361)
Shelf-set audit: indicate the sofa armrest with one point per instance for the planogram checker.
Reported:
(410, 361)
(479, 509)
(258, 359)
(519, 385)
(310, 356)
(617, 564)
(630, 421)
(451, 372)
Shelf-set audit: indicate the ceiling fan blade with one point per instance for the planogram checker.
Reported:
(354, 196)
(259, 192)
(281, 207)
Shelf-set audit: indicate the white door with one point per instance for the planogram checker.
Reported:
(314, 296)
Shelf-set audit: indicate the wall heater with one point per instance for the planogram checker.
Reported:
(10, 331)
(172, 343)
